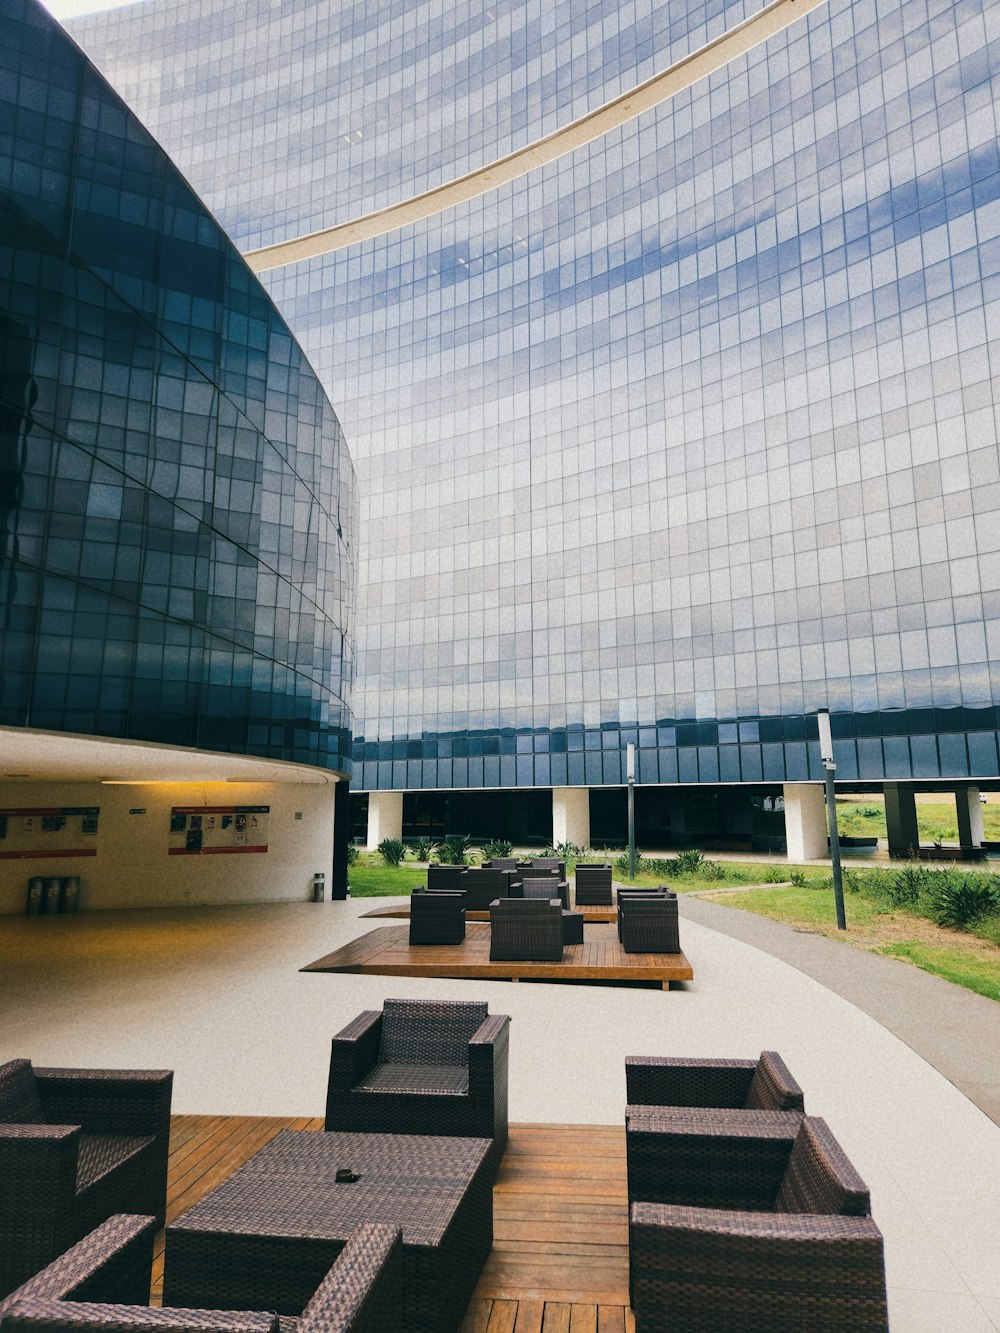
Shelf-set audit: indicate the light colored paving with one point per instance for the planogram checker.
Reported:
(214, 994)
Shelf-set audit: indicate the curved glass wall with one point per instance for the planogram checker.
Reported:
(691, 432)
(176, 498)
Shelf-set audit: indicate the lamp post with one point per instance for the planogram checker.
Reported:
(826, 754)
(630, 773)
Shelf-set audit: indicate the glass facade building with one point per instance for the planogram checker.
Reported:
(177, 502)
(671, 441)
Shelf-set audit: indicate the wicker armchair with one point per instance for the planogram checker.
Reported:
(445, 877)
(790, 1245)
(526, 930)
(422, 1067)
(647, 922)
(547, 887)
(545, 865)
(482, 886)
(593, 885)
(764, 1084)
(102, 1283)
(76, 1145)
(501, 863)
(437, 916)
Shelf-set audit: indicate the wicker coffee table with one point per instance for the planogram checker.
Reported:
(264, 1239)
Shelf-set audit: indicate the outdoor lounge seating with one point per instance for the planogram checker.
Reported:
(445, 877)
(546, 865)
(501, 863)
(665, 1081)
(422, 1067)
(437, 916)
(647, 923)
(778, 1239)
(547, 887)
(593, 885)
(103, 1282)
(526, 930)
(482, 886)
(76, 1145)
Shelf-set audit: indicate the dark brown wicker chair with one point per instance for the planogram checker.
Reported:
(422, 1067)
(593, 885)
(647, 922)
(482, 886)
(76, 1145)
(437, 916)
(547, 887)
(789, 1244)
(501, 863)
(764, 1084)
(445, 877)
(102, 1284)
(526, 930)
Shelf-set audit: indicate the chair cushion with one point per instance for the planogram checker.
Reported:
(819, 1177)
(772, 1087)
(20, 1103)
(429, 1032)
(447, 1080)
(101, 1153)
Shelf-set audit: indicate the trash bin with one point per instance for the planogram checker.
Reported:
(319, 886)
(51, 895)
(36, 891)
(70, 895)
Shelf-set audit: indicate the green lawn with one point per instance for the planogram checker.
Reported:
(936, 821)
(385, 881)
(975, 971)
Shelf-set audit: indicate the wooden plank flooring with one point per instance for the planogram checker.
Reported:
(605, 916)
(386, 951)
(559, 1262)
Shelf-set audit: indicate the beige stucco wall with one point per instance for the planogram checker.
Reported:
(132, 868)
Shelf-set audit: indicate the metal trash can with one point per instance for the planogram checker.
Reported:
(52, 895)
(69, 898)
(36, 892)
(319, 887)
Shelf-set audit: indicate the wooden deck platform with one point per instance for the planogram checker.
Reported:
(603, 916)
(386, 951)
(559, 1262)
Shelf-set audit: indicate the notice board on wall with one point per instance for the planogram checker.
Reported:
(29, 833)
(205, 830)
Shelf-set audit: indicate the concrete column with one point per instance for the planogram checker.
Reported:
(805, 821)
(385, 817)
(571, 815)
(901, 819)
(970, 817)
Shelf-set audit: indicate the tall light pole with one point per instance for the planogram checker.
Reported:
(826, 754)
(630, 773)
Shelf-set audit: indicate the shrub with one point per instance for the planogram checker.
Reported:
(392, 851)
(642, 866)
(773, 875)
(689, 862)
(352, 854)
(905, 887)
(797, 878)
(567, 851)
(871, 811)
(456, 850)
(422, 848)
(497, 847)
(964, 901)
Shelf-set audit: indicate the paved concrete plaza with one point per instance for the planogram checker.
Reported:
(216, 995)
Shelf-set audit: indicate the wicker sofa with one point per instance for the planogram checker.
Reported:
(76, 1145)
(445, 877)
(102, 1283)
(775, 1233)
(679, 1082)
(437, 916)
(526, 930)
(422, 1067)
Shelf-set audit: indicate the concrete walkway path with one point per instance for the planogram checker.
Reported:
(955, 1030)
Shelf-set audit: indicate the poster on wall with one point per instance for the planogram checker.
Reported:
(200, 830)
(32, 833)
